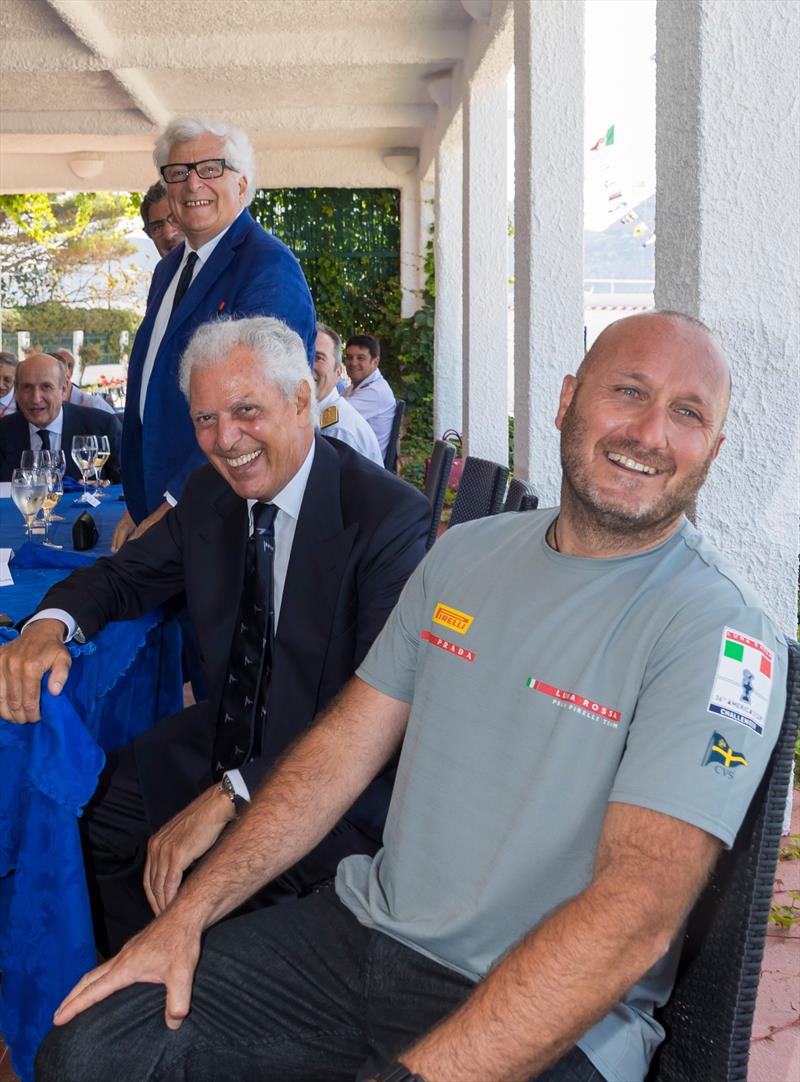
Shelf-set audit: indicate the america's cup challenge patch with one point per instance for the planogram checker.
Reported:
(743, 680)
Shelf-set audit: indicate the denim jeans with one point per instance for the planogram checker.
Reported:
(296, 993)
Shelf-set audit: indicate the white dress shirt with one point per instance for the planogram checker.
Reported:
(8, 404)
(374, 400)
(350, 428)
(55, 428)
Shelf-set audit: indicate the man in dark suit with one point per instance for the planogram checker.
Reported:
(44, 422)
(346, 536)
(228, 266)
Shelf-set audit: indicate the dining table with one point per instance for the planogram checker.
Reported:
(120, 683)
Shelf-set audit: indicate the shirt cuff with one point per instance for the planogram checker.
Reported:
(56, 614)
(170, 499)
(239, 784)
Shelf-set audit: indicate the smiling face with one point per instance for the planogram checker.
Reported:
(359, 363)
(253, 436)
(640, 426)
(162, 229)
(203, 208)
(40, 385)
(326, 366)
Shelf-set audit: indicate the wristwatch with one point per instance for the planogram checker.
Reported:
(226, 787)
(397, 1072)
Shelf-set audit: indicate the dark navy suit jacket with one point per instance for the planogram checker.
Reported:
(15, 437)
(360, 533)
(249, 273)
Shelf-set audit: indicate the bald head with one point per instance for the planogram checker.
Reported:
(40, 384)
(672, 333)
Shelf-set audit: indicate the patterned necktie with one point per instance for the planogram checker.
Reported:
(184, 281)
(44, 436)
(243, 709)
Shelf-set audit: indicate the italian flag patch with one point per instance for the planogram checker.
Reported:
(743, 680)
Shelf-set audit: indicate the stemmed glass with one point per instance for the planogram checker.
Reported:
(35, 460)
(101, 457)
(84, 449)
(28, 491)
(55, 490)
(58, 461)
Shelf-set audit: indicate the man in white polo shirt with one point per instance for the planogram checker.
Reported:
(337, 417)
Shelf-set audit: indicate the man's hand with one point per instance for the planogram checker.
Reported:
(23, 663)
(181, 841)
(166, 952)
(125, 527)
(127, 530)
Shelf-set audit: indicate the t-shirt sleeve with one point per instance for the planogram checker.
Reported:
(707, 718)
(391, 664)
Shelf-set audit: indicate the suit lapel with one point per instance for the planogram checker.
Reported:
(315, 576)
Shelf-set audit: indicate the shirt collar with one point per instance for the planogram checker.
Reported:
(56, 426)
(290, 497)
(7, 398)
(329, 400)
(205, 250)
(369, 379)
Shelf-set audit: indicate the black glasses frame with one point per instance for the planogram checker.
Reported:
(189, 166)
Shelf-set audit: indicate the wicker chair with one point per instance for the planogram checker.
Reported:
(521, 496)
(481, 491)
(709, 1016)
(393, 446)
(436, 482)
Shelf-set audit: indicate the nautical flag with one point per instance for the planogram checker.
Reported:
(720, 751)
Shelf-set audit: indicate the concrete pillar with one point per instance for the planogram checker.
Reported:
(449, 312)
(485, 392)
(416, 217)
(727, 221)
(548, 219)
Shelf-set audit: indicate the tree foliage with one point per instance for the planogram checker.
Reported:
(66, 248)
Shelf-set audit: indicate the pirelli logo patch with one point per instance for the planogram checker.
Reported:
(451, 618)
(451, 647)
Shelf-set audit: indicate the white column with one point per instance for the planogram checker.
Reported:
(548, 219)
(485, 391)
(727, 221)
(449, 313)
(416, 216)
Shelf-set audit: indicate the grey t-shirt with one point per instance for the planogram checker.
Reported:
(543, 686)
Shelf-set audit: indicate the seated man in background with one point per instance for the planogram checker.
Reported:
(159, 223)
(44, 422)
(369, 392)
(74, 394)
(586, 697)
(8, 371)
(336, 416)
(328, 546)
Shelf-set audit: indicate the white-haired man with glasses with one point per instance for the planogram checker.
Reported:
(227, 265)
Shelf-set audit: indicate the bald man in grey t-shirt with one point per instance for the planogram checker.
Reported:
(586, 699)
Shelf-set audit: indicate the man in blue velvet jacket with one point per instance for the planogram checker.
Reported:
(228, 265)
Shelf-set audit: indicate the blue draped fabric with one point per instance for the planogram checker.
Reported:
(123, 681)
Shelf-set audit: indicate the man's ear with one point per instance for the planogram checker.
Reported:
(718, 446)
(568, 389)
(302, 398)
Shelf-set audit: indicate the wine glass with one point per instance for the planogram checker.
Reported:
(84, 449)
(28, 490)
(55, 490)
(35, 460)
(58, 461)
(101, 457)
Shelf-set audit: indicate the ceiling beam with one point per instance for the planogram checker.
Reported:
(85, 21)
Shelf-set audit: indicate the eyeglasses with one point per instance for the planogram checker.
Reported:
(208, 169)
(156, 227)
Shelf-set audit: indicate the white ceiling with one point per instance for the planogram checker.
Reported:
(324, 87)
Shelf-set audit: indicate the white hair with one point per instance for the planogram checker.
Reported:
(237, 150)
(276, 346)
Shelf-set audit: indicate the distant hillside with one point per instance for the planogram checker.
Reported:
(616, 253)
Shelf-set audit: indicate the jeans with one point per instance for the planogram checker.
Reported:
(296, 993)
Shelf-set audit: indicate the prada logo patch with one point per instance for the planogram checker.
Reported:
(450, 647)
(452, 619)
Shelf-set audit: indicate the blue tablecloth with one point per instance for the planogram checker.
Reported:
(127, 678)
